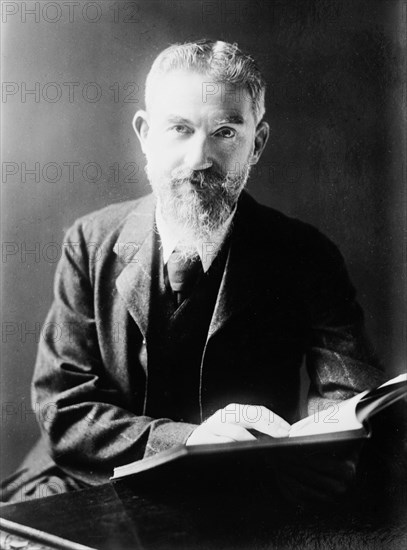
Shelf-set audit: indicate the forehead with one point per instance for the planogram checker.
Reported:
(192, 95)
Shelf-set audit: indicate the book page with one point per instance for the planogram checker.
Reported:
(337, 416)
(399, 378)
(330, 417)
(382, 397)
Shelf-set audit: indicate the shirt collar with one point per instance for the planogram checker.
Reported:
(207, 251)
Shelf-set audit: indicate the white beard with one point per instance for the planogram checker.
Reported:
(196, 204)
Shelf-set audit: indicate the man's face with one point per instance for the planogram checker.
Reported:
(199, 139)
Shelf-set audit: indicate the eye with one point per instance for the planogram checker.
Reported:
(226, 133)
(180, 129)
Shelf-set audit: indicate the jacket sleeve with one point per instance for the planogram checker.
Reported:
(82, 416)
(340, 360)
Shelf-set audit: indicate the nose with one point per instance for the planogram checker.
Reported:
(197, 156)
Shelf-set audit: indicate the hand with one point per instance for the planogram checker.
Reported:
(233, 422)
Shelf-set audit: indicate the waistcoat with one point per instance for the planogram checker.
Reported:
(177, 337)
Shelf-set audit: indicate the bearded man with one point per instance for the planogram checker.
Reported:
(192, 302)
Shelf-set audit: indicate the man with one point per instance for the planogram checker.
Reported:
(176, 310)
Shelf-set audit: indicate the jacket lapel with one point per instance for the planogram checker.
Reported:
(242, 282)
(135, 248)
(245, 268)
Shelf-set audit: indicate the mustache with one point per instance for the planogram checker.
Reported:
(199, 178)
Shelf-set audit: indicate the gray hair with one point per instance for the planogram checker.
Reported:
(221, 61)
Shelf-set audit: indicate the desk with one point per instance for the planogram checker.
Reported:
(112, 516)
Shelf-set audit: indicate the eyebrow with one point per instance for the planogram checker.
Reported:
(233, 118)
(230, 119)
(172, 119)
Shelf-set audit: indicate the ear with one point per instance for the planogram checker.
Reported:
(260, 140)
(141, 127)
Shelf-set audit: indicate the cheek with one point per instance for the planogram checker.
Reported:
(161, 157)
(234, 156)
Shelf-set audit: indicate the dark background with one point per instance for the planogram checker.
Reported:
(335, 103)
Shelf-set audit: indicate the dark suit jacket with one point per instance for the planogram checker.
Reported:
(285, 295)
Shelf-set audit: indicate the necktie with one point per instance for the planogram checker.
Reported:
(182, 274)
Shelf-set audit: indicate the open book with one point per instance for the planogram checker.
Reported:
(336, 424)
(352, 413)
